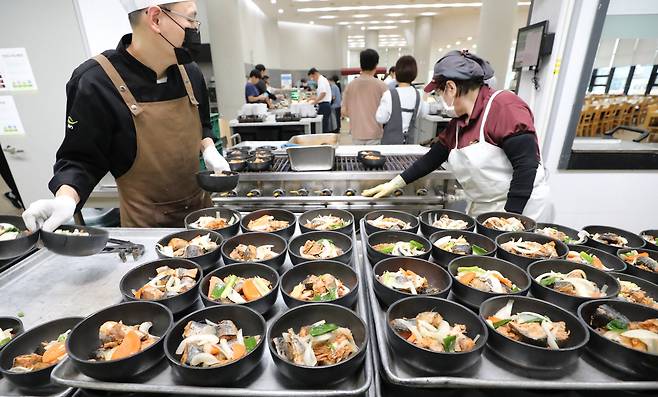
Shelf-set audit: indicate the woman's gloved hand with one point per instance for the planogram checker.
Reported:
(385, 189)
(214, 161)
(49, 214)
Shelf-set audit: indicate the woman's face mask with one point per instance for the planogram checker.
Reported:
(448, 109)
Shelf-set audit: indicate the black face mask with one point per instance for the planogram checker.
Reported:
(191, 46)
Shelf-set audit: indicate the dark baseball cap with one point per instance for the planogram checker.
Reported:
(460, 65)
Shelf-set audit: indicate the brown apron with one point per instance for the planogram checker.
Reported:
(160, 188)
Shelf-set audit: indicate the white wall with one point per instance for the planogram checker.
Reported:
(102, 26)
(303, 46)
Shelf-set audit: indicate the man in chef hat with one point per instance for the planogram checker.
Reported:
(140, 112)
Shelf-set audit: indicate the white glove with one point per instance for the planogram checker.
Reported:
(214, 160)
(385, 189)
(49, 214)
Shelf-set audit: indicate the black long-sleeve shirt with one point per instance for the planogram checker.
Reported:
(100, 132)
(520, 150)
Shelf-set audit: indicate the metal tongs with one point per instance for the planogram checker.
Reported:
(123, 248)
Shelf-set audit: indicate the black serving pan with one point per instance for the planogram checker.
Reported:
(259, 166)
(377, 161)
(13, 323)
(609, 260)
(521, 261)
(247, 319)
(21, 244)
(634, 241)
(565, 301)
(612, 354)
(237, 164)
(425, 360)
(257, 239)
(339, 239)
(651, 232)
(472, 297)
(403, 216)
(244, 270)
(341, 271)
(571, 233)
(83, 340)
(210, 182)
(529, 356)
(361, 153)
(427, 218)
(443, 257)
(345, 215)
(63, 244)
(137, 277)
(529, 223)
(391, 237)
(310, 314)
(437, 277)
(27, 343)
(278, 214)
(208, 260)
(636, 271)
(650, 289)
(216, 212)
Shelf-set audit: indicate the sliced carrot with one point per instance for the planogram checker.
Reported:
(597, 262)
(411, 338)
(467, 278)
(503, 280)
(249, 290)
(239, 351)
(130, 345)
(214, 350)
(54, 352)
(643, 254)
(138, 293)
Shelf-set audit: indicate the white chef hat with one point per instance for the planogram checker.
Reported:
(134, 5)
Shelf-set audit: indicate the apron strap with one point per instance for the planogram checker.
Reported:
(486, 113)
(188, 85)
(120, 85)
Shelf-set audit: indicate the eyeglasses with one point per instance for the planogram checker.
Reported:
(196, 24)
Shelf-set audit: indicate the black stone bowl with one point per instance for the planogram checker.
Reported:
(310, 314)
(27, 343)
(237, 164)
(403, 216)
(529, 223)
(208, 260)
(612, 354)
(427, 218)
(529, 356)
(340, 240)
(521, 261)
(341, 271)
(609, 260)
(217, 212)
(650, 289)
(244, 270)
(375, 256)
(208, 181)
(473, 297)
(634, 241)
(437, 277)
(21, 244)
(247, 319)
(443, 257)
(361, 153)
(257, 239)
(571, 233)
(13, 323)
(83, 340)
(652, 232)
(259, 166)
(137, 277)
(641, 273)
(345, 215)
(428, 361)
(269, 148)
(63, 244)
(279, 215)
(565, 301)
(376, 161)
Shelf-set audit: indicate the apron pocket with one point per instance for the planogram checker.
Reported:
(173, 213)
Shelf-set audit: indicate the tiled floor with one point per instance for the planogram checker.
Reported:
(6, 208)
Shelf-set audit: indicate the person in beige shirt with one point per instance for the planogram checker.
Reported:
(361, 99)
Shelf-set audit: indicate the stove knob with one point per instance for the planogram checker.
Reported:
(253, 193)
(324, 192)
(278, 193)
(232, 193)
(350, 192)
(299, 192)
(421, 192)
(398, 193)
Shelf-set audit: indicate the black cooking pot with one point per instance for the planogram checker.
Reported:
(341, 271)
(278, 214)
(375, 256)
(636, 271)
(634, 241)
(522, 261)
(347, 216)
(650, 289)
(428, 217)
(63, 244)
(339, 239)
(652, 232)
(257, 239)
(572, 234)
(21, 244)
(443, 257)
(210, 182)
(437, 278)
(403, 216)
(217, 212)
(208, 260)
(608, 260)
(529, 224)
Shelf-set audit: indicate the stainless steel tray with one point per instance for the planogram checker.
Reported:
(491, 372)
(8, 390)
(46, 286)
(314, 153)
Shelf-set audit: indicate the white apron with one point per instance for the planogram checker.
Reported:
(485, 173)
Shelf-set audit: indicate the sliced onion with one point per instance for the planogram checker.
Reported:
(204, 358)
